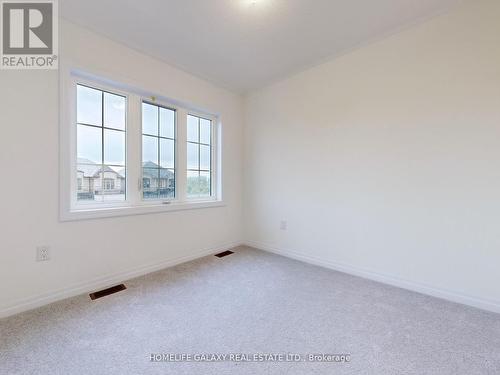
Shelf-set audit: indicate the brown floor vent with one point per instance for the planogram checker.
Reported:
(107, 292)
(224, 254)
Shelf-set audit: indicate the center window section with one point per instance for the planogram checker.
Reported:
(158, 152)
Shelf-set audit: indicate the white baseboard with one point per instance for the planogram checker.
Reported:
(104, 282)
(489, 305)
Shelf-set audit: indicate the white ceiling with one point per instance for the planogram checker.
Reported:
(243, 46)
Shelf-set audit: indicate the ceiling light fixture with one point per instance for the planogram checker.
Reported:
(250, 2)
(254, 5)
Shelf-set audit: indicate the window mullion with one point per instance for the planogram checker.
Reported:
(214, 159)
(181, 154)
(134, 150)
(102, 147)
(158, 141)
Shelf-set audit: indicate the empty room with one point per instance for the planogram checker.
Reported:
(250, 187)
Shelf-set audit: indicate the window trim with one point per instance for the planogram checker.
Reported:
(134, 205)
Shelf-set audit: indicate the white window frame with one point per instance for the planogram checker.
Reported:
(71, 209)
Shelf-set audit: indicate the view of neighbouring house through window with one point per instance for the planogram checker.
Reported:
(101, 139)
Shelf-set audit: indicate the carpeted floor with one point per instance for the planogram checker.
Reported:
(252, 302)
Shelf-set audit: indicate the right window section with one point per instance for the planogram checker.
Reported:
(199, 157)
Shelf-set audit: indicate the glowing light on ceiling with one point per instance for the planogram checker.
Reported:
(255, 6)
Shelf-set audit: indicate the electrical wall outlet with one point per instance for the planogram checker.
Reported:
(283, 224)
(42, 253)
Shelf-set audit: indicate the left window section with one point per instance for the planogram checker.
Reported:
(101, 146)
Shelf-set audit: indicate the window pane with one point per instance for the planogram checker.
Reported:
(150, 150)
(114, 111)
(158, 152)
(193, 186)
(204, 183)
(167, 123)
(166, 185)
(167, 150)
(205, 128)
(86, 176)
(192, 156)
(149, 119)
(205, 157)
(101, 153)
(150, 183)
(192, 129)
(112, 185)
(122, 180)
(114, 147)
(89, 106)
(89, 144)
(199, 156)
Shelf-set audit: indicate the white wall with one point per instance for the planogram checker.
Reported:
(95, 252)
(386, 161)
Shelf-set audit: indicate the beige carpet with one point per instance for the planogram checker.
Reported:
(252, 302)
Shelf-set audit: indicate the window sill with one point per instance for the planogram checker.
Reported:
(97, 213)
